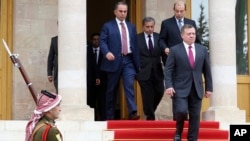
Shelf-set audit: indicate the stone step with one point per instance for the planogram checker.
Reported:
(12, 135)
(12, 130)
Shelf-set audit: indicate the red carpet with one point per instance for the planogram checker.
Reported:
(142, 130)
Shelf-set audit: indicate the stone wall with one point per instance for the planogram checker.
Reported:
(160, 10)
(35, 22)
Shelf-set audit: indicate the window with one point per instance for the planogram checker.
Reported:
(200, 15)
(241, 22)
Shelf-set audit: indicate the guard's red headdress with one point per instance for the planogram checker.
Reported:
(46, 102)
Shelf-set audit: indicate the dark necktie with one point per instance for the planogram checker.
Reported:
(191, 56)
(124, 39)
(95, 55)
(150, 44)
(180, 24)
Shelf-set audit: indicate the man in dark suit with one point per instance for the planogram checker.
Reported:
(170, 32)
(170, 28)
(185, 65)
(96, 79)
(118, 43)
(52, 62)
(150, 76)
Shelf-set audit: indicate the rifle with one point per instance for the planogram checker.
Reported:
(18, 64)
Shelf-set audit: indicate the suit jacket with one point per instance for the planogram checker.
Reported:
(170, 33)
(52, 64)
(150, 62)
(93, 70)
(180, 75)
(110, 41)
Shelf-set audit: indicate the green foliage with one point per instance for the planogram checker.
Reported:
(202, 28)
(241, 37)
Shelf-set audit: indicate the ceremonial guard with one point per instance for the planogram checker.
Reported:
(41, 126)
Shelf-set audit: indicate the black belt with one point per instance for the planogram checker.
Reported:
(125, 55)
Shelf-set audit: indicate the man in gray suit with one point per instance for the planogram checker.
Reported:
(150, 76)
(170, 31)
(185, 65)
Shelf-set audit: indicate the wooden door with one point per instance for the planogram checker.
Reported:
(135, 16)
(5, 62)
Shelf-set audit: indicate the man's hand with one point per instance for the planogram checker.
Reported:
(97, 81)
(110, 56)
(169, 91)
(207, 94)
(166, 51)
(50, 78)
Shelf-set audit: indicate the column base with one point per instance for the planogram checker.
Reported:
(77, 112)
(225, 116)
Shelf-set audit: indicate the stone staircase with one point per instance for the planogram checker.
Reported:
(163, 130)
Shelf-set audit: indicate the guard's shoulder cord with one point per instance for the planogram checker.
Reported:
(45, 132)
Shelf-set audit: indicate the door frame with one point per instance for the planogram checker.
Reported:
(6, 33)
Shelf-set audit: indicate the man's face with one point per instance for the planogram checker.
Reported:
(95, 41)
(179, 11)
(148, 27)
(189, 36)
(54, 112)
(121, 12)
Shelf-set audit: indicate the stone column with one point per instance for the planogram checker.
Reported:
(223, 102)
(72, 60)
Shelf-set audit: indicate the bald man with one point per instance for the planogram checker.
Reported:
(170, 28)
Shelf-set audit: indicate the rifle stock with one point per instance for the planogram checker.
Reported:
(17, 63)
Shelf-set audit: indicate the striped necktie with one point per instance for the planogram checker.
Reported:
(124, 39)
(180, 24)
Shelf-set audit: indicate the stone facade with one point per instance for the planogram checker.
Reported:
(35, 22)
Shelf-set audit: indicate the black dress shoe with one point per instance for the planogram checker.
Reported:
(177, 138)
(150, 118)
(133, 116)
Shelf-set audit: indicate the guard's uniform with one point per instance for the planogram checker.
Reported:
(46, 130)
